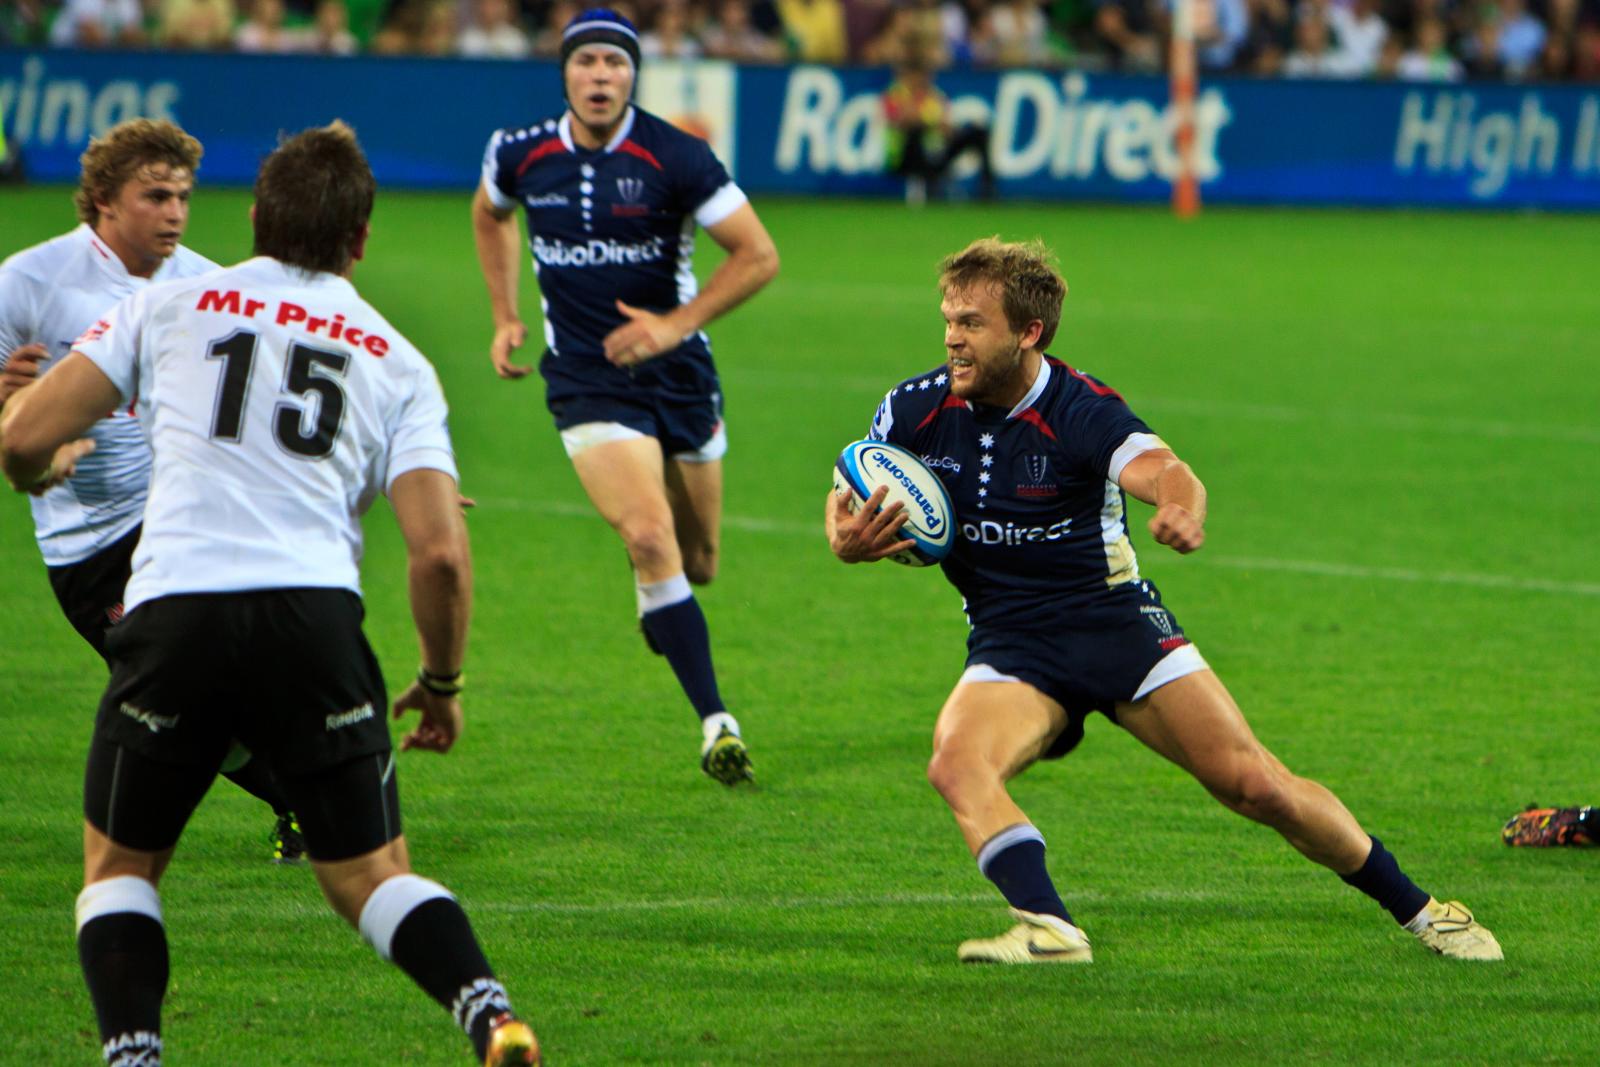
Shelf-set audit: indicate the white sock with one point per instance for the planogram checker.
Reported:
(652, 596)
(711, 726)
(1420, 921)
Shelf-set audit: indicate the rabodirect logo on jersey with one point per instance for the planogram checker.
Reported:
(989, 532)
(598, 252)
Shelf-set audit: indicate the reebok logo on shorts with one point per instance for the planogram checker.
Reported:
(351, 717)
(155, 723)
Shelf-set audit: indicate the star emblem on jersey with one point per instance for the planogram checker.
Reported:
(985, 442)
(924, 384)
(941, 379)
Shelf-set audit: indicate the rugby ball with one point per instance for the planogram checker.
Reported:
(865, 465)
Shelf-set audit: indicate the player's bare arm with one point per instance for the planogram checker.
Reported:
(499, 250)
(1160, 478)
(439, 568)
(752, 262)
(21, 368)
(41, 431)
(868, 535)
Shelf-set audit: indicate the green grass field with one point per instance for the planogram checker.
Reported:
(1397, 416)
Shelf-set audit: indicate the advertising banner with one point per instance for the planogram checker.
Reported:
(820, 130)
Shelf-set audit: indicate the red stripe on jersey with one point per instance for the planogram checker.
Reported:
(96, 246)
(548, 148)
(633, 148)
(949, 402)
(1094, 387)
(1031, 416)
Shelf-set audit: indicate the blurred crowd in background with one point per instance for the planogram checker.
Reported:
(1420, 40)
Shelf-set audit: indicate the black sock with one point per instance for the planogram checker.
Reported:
(1013, 860)
(434, 944)
(254, 778)
(678, 631)
(124, 960)
(1382, 879)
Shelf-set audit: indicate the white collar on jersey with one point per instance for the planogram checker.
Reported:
(1040, 380)
(109, 261)
(112, 263)
(624, 128)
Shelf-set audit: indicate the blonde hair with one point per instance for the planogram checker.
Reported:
(1023, 271)
(128, 147)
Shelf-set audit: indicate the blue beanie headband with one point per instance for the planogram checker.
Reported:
(600, 25)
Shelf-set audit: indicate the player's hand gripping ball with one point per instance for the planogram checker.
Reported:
(930, 527)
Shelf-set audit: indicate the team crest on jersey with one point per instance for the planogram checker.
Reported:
(1034, 476)
(631, 190)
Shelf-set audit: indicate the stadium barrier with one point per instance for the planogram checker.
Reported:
(811, 129)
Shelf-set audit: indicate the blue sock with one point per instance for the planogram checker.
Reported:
(678, 631)
(1382, 879)
(1013, 860)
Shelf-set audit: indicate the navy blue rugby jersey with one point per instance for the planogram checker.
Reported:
(613, 223)
(1041, 535)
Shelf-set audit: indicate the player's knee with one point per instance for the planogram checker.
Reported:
(651, 544)
(1261, 793)
(954, 770)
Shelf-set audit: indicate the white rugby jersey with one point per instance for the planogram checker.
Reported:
(50, 294)
(278, 404)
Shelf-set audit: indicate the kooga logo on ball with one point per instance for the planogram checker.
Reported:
(895, 471)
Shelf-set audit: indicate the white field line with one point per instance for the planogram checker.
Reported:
(825, 902)
(789, 528)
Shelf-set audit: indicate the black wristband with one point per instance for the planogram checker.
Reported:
(444, 685)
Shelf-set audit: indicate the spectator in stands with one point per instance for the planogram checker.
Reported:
(888, 47)
(22, 22)
(1017, 36)
(197, 24)
(1221, 27)
(99, 24)
(492, 32)
(329, 33)
(1270, 38)
(1521, 39)
(815, 29)
(864, 23)
(1132, 32)
(419, 27)
(1429, 59)
(1480, 49)
(1586, 51)
(547, 42)
(1313, 55)
(732, 36)
(263, 30)
(669, 36)
(922, 141)
(1359, 32)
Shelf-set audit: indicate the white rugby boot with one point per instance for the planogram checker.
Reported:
(1035, 939)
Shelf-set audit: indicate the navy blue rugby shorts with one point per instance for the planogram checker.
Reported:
(676, 399)
(1119, 649)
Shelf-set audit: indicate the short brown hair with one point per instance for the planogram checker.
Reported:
(313, 199)
(1024, 272)
(110, 161)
